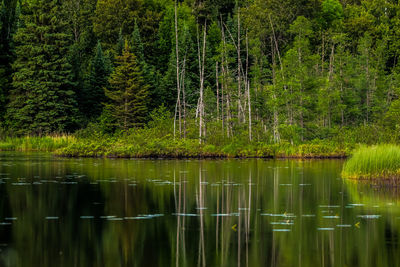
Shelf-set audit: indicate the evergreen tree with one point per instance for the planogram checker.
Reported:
(137, 45)
(150, 76)
(93, 95)
(127, 93)
(120, 43)
(79, 15)
(42, 100)
(113, 18)
(8, 18)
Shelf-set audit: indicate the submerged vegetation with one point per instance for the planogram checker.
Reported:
(374, 163)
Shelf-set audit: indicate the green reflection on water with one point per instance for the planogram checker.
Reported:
(98, 212)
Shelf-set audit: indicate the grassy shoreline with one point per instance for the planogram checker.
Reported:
(34, 143)
(112, 147)
(379, 164)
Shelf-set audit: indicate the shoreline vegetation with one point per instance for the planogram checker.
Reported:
(198, 79)
(184, 79)
(129, 146)
(379, 164)
(156, 139)
(191, 149)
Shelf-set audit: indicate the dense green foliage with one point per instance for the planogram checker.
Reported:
(127, 93)
(382, 161)
(41, 100)
(224, 72)
(143, 145)
(93, 95)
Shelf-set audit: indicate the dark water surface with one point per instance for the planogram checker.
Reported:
(102, 212)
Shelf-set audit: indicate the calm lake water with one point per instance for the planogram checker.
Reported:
(104, 212)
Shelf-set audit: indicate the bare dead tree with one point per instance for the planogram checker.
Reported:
(200, 103)
(178, 99)
(248, 85)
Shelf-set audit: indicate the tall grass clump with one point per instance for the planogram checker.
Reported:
(36, 143)
(374, 162)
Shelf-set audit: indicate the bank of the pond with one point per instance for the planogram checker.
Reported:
(69, 146)
(35, 143)
(377, 164)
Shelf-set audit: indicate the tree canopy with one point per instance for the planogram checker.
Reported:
(272, 70)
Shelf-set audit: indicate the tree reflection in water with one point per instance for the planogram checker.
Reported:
(97, 212)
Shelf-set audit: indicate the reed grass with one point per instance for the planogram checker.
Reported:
(374, 162)
(36, 143)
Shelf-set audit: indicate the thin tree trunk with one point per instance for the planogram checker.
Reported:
(126, 111)
(202, 71)
(248, 85)
(301, 94)
(178, 100)
(341, 91)
(330, 79)
(275, 110)
(225, 69)
(222, 96)
(239, 63)
(280, 61)
(249, 106)
(201, 58)
(217, 84)
(368, 85)
(322, 53)
(184, 96)
(224, 81)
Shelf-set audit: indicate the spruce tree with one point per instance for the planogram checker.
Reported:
(120, 43)
(8, 18)
(127, 93)
(93, 95)
(137, 45)
(42, 100)
(148, 71)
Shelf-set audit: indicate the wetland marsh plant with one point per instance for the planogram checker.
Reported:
(377, 164)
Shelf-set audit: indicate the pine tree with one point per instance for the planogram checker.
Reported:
(113, 17)
(8, 18)
(127, 93)
(120, 43)
(93, 95)
(42, 100)
(137, 45)
(148, 71)
(79, 15)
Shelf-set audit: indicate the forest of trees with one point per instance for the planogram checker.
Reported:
(270, 70)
